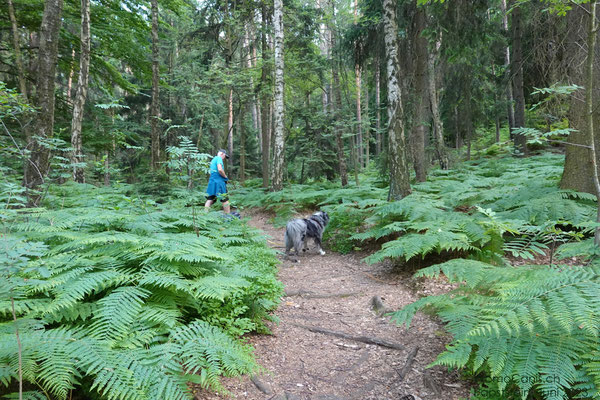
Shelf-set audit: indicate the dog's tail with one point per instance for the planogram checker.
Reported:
(294, 235)
(287, 239)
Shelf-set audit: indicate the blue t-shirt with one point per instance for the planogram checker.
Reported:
(214, 171)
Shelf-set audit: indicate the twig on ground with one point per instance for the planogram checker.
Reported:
(363, 339)
(409, 362)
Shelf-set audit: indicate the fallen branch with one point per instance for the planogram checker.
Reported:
(263, 387)
(363, 339)
(312, 295)
(408, 364)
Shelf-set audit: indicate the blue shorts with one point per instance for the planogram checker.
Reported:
(217, 188)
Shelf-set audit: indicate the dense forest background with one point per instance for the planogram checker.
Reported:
(137, 92)
(464, 128)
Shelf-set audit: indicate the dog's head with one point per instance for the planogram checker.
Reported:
(321, 216)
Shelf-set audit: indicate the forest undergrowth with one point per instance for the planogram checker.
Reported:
(527, 331)
(107, 294)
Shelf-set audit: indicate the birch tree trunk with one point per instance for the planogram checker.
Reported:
(277, 183)
(367, 123)
(39, 162)
(378, 138)
(81, 94)
(264, 94)
(154, 110)
(399, 175)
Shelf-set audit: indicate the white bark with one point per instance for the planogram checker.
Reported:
(399, 175)
(277, 181)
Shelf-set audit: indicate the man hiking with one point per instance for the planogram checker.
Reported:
(217, 183)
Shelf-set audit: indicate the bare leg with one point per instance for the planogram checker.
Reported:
(226, 207)
(208, 204)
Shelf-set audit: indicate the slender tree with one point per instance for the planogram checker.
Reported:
(278, 160)
(378, 139)
(17, 50)
(337, 100)
(81, 94)
(154, 108)
(517, 82)
(265, 98)
(434, 101)
(398, 165)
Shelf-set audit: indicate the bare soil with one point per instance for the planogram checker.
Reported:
(334, 292)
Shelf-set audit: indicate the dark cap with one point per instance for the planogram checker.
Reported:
(224, 152)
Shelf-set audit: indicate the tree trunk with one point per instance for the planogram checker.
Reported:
(106, 169)
(509, 92)
(154, 110)
(357, 77)
(421, 116)
(378, 139)
(589, 106)
(39, 162)
(399, 176)
(278, 161)
(264, 94)
(229, 134)
(367, 124)
(20, 68)
(578, 171)
(242, 132)
(434, 101)
(17, 50)
(517, 72)
(81, 94)
(337, 101)
(359, 130)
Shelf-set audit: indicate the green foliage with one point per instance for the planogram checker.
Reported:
(135, 298)
(535, 327)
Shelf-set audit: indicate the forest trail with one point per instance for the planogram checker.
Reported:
(334, 292)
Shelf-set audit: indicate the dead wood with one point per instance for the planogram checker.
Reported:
(312, 295)
(260, 385)
(409, 362)
(363, 339)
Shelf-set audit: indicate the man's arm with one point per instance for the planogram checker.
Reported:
(221, 171)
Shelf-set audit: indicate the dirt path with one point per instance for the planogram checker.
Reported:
(334, 292)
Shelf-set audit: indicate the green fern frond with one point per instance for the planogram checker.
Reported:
(117, 312)
(519, 323)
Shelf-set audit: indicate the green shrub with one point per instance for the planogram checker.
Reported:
(536, 327)
(119, 296)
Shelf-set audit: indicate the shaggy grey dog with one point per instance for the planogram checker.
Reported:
(299, 230)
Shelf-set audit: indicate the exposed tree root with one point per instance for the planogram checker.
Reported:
(363, 339)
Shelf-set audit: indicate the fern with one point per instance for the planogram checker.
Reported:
(527, 322)
(109, 290)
